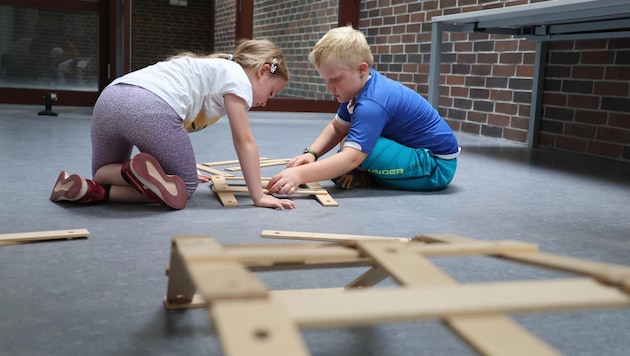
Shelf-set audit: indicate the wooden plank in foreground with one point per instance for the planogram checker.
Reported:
(25, 237)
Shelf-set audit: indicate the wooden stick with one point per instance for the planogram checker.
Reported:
(320, 236)
(267, 163)
(26, 237)
(225, 163)
(365, 307)
(256, 327)
(411, 269)
(212, 171)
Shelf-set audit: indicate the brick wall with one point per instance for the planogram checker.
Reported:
(160, 29)
(224, 30)
(587, 98)
(486, 80)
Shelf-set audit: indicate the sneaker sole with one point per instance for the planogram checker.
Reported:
(167, 190)
(68, 188)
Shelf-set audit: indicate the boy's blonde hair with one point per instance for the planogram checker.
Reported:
(251, 54)
(342, 46)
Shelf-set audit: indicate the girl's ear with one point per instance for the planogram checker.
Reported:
(262, 70)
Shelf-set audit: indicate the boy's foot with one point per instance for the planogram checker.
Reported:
(77, 189)
(145, 174)
(356, 178)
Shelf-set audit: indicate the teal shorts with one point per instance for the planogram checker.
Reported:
(397, 166)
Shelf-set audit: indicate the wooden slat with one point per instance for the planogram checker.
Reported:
(25, 237)
(227, 199)
(404, 265)
(256, 327)
(212, 171)
(446, 238)
(480, 331)
(605, 272)
(225, 163)
(498, 335)
(291, 256)
(323, 199)
(266, 163)
(181, 288)
(243, 189)
(369, 278)
(216, 275)
(320, 236)
(381, 305)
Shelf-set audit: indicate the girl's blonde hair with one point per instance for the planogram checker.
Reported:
(251, 54)
(342, 46)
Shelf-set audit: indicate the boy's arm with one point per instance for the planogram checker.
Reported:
(287, 181)
(330, 137)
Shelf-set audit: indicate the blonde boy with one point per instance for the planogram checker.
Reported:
(388, 134)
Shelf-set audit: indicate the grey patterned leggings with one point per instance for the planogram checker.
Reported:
(125, 116)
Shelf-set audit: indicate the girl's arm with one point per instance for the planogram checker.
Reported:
(247, 152)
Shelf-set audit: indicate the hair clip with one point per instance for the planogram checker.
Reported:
(274, 65)
(230, 57)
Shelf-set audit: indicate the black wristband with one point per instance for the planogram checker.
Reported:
(308, 150)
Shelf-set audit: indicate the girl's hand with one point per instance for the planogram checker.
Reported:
(203, 178)
(269, 201)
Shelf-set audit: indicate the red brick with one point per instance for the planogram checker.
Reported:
(583, 101)
(503, 70)
(604, 149)
(557, 99)
(619, 120)
(515, 135)
(592, 117)
(470, 127)
(498, 120)
(501, 95)
(506, 108)
(516, 58)
(477, 116)
(614, 135)
(588, 72)
(571, 143)
(618, 72)
(525, 71)
(611, 88)
(506, 45)
(461, 92)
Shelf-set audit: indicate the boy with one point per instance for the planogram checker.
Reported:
(389, 134)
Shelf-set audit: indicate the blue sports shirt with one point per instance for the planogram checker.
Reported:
(387, 108)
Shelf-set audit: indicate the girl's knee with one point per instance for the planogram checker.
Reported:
(191, 187)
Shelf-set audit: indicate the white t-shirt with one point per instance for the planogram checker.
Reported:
(194, 87)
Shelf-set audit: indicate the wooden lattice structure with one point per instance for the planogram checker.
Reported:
(253, 320)
(225, 185)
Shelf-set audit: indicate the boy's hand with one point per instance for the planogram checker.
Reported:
(305, 158)
(268, 201)
(285, 182)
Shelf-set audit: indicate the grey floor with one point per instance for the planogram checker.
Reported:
(103, 295)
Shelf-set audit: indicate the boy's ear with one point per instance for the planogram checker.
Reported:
(364, 68)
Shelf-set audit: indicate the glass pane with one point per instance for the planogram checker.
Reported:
(48, 49)
(296, 26)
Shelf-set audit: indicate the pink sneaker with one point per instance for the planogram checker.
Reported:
(145, 174)
(74, 188)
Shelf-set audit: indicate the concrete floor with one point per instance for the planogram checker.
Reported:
(103, 295)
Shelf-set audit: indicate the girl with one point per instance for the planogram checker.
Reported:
(155, 108)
